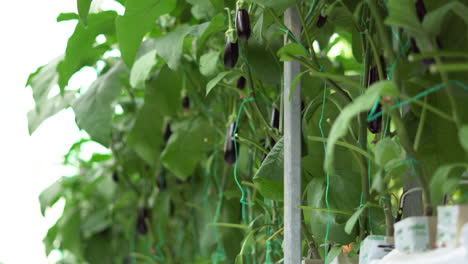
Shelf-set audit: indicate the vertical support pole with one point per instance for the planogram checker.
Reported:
(292, 150)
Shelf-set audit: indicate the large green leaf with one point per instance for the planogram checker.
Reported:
(441, 182)
(162, 98)
(433, 20)
(94, 108)
(139, 18)
(83, 10)
(216, 25)
(202, 9)
(170, 45)
(269, 177)
(81, 50)
(403, 14)
(360, 104)
(387, 153)
(187, 146)
(463, 136)
(142, 68)
(209, 62)
(48, 108)
(43, 80)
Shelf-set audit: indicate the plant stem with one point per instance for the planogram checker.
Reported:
(344, 144)
(387, 208)
(363, 231)
(310, 240)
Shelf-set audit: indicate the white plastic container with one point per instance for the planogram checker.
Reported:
(415, 234)
(450, 221)
(374, 248)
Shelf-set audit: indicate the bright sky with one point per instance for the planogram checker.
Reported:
(30, 37)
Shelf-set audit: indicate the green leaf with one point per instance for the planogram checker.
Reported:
(94, 108)
(353, 220)
(202, 9)
(293, 49)
(139, 18)
(441, 184)
(208, 63)
(360, 104)
(83, 10)
(275, 3)
(334, 252)
(67, 16)
(215, 25)
(50, 196)
(387, 153)
(463, 137)
(191, 139)
(403, 14)
(43, 80)
(162, 98)
(95, 222)
(170, 45)
(81, 50)
(213, 82)
(142, 68)
(269, 177)
(433, 20)
(48, 108)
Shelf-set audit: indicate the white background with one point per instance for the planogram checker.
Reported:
(29, 37)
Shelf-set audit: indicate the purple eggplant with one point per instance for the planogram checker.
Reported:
(243, 24)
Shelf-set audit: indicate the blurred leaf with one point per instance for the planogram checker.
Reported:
(215, 25)
(387, 153)
(293, 49)
(95, 223)
(139, 18)
(403, 14)
(43, 80)
(67, 17)
(48, 108)
(353, 220)
(83, 10)
(142, 68)
(360, 104)
(50, 196)
(94, 108)
(441, 184)
(213, 82)
(170, 45)
(191, 139)
(463, 136)
(433, 20)
(269, 177)
(202, 9)
(208, 63)
(274, 3)
(81, 50)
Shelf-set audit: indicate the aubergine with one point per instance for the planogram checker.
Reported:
(115, 176)
(241, 83)
(167, 133)
(231, 147)
(231, 54)
(186, 103)
(321, 21)
(243, 24)
(143, 214)
(375, 126)
(421, 10)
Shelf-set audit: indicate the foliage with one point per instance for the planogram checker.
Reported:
(164, 194)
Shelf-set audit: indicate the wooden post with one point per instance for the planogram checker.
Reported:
(292, 150)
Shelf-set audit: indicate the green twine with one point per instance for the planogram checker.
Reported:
(327, 231)
(294, 38)
(242, 200)
(373, 116)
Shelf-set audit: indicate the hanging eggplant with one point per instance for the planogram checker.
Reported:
(231, 147)
(186, 103)
(167, 131)
(231, 54)
(421, 10)
(115, 176)
(321, 21)
(231, 49)
(375, 126)
(241, 83)
(243, 24)
(143, 215)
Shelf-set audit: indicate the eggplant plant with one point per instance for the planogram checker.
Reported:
(175, 187)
